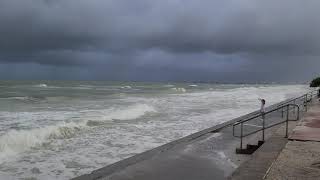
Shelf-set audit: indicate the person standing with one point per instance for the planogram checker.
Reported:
(263, 103)
(262, 111)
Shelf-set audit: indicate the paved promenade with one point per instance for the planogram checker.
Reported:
(300, 159)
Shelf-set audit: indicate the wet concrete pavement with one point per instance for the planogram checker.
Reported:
(300, 159)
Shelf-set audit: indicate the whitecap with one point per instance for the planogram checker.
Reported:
(27, 98)
(126, 87)
(16, 141)
(125, 113)
(183, 90)
(42, 85)
(168, 85)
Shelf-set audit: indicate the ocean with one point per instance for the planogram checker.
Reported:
(63, 129)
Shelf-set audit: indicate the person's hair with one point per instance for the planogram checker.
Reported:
(263, 101)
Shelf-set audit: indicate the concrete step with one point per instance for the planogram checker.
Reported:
(260, 143)
(250, 148)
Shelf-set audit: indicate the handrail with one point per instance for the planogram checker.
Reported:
(282, 105)
(263, 114)
(305, 96)
(285, 104)
(263, 123)
(260, 114)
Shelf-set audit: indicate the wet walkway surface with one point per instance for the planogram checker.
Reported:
(209, 154)
(309, 127)
(300, 159)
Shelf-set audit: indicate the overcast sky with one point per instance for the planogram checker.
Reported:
(160, 40)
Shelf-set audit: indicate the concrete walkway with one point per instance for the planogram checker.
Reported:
(300, 159)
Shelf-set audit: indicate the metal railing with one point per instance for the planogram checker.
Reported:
(306, 98)
(286, 106)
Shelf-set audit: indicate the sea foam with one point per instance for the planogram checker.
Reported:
(183, 90)
(131, 112)
(16, 141)
(42, 85)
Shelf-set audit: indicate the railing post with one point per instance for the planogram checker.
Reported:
(306, 102)
(263, 125)
(287, 121)
(233, 130)
(294, 102)
(282, 112)
(298, 113)
(241, 132)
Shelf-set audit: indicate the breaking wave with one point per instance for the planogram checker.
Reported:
(15, 141)
(41, 85)
(27, 98)
(128, 113)
(183, 90)
(168, 85)
(126, 87)
(131, 112)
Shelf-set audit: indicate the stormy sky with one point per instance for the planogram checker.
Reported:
(160, 40)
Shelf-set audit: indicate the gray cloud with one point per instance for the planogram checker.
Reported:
(223, 27)
(209, 35)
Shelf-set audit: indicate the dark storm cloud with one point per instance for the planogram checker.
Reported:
(37, 28)
(164, 39)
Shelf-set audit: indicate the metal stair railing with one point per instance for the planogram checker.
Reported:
(304, 97)
(263, 128)
(286, 106)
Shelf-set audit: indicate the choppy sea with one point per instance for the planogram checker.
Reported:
(63, 129)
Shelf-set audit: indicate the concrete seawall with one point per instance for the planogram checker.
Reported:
(207, 154)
